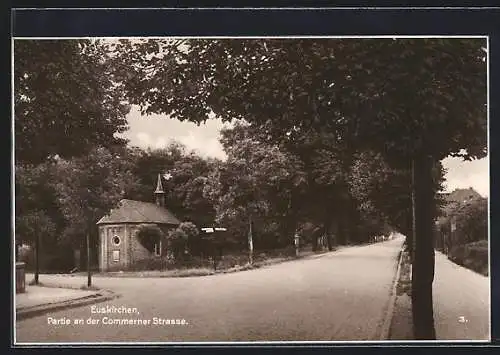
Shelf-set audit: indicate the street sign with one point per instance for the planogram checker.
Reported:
(212, 229)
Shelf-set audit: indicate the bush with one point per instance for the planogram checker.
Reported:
(53, 261)
(165, 263)
(177, 242)
(229, 261)
(473, 256)
(189, 262)
(151, 263)
(472, 221)
(457, 254)
(149, 235)
(189, 229)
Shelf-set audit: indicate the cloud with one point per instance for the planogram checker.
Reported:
(143, 139)
(157, 131)
(465, 174)
(161, 142)
(477, 181)
(204, 146)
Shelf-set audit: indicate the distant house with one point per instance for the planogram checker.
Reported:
(459, 197)
(119, 246)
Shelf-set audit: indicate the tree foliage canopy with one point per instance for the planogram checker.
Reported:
(402, 96)
(88, 187)
(66, 100)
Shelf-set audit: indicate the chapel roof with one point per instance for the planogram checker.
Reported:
(131, 211)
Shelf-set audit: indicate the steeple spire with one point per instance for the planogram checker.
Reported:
(159, 193)
(159, 186)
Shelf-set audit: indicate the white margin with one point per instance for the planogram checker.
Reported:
(489, 162)
(268, 8)
(13, 187)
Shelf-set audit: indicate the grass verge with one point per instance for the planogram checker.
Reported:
(206, 271)
(473, 256)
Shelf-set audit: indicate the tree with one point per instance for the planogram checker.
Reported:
(177, 242)
(388, 189)
(89, 187)
(149, 236)
(258, 182)
(37, 226)
(192, 235)
(414, 100)
(472, 220)
(66, 99)
(187, 175)
(38, 218)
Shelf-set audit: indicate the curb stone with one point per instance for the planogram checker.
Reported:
(384, 334)
(33, 311)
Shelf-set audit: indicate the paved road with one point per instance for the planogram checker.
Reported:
(461, 302)
(341, 295)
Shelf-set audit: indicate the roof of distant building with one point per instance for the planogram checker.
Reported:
(131, 211)
(456, 198)
(460, 195)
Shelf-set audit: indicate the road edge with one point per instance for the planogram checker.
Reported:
(384, 334)
(34, 311)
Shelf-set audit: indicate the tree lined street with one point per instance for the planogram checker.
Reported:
(332, 143)
(341, 295)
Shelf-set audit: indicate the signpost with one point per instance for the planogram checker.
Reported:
(296, 241)
(250, 242)
(453, 228)
(215, 243)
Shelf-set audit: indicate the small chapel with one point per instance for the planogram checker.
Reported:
(119, 247)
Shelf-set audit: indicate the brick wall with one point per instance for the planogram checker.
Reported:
(129, 248)
(115, 254)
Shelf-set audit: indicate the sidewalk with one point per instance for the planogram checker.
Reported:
(38, 300)
(461, 304)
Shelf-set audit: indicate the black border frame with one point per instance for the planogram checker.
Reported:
(182, 21)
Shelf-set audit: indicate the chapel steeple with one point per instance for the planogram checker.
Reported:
(159, 193)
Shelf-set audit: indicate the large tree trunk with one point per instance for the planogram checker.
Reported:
(328, 235)
(341, 229)
(328, 230)
(89, 274)
(423, 250)
(291, 221)
(250, 241)
(314, 241)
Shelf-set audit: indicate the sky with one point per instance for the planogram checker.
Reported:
(157, 131)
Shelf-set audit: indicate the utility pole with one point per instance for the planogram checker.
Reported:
(89, 275)
(297, 241)
(37, 255)
(89, 228)
(216, 244)
(250, 240)
(412, 245)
